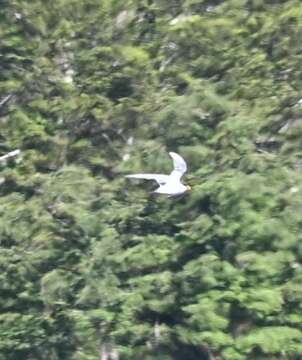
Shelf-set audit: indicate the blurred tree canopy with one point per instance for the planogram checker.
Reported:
(92, 265)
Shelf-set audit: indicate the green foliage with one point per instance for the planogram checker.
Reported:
(92, 265)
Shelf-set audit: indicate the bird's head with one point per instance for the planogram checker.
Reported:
(188, 187)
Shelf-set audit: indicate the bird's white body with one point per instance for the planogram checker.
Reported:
(168, 184)
(172, 188)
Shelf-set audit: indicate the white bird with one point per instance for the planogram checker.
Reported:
(168, 184)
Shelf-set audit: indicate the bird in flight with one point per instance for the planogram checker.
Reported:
(168, 184)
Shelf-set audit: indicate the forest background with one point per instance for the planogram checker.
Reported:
(94, 267)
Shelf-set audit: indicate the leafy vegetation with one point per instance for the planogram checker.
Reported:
(92, 265)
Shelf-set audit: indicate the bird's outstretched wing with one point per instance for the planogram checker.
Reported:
(159, 178)
(180, 166)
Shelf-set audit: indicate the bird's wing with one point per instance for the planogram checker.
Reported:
(159, 178)
(180, 166)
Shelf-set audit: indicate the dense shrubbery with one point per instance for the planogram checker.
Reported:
(94, 266)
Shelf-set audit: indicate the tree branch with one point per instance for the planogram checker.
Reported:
(10, 154)
(5, 100)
